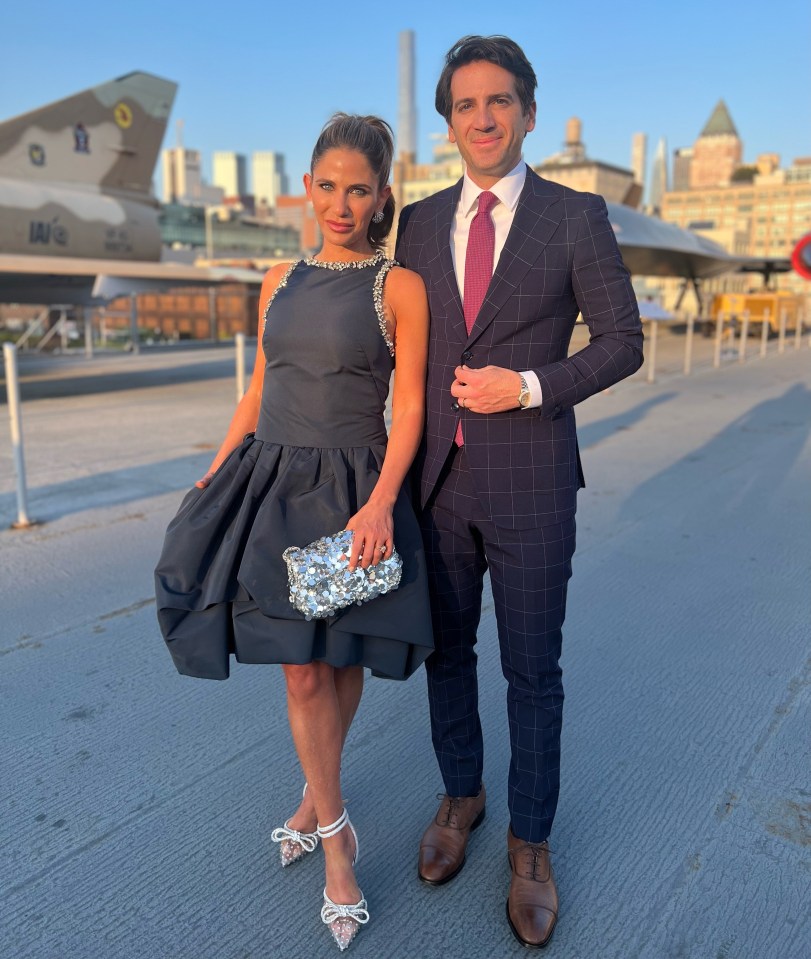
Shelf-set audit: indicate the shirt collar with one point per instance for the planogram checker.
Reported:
(507, 189)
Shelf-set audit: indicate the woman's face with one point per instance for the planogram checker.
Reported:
(344, 192)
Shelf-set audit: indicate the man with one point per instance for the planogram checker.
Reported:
(509, 260)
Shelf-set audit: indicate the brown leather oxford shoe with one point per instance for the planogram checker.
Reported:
(532, 906)
(442, 849)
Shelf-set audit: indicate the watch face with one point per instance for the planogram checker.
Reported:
(523, 399)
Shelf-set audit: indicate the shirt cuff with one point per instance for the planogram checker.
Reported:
(534, 384)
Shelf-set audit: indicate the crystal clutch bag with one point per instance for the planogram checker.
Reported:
(321, 582)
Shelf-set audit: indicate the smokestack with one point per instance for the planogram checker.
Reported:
(407, 116)
(574, 132)
(659, 179)
(639, 158)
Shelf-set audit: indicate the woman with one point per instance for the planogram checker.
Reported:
(319, 462)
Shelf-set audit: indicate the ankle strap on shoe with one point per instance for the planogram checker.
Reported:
(327, 832)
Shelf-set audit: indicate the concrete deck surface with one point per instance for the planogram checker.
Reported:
(136, 805)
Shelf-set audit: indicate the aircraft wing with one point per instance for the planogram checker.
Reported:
(58, 279)
(652, 247)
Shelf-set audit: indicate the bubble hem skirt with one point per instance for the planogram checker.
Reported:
(221, 583)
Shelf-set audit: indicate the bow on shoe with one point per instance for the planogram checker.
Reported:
(331, 912)
(308, 841)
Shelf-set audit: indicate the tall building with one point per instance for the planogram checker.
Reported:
(764, 214)
(682, 160)
(230, 174)
(773, 208)
(407, 113)
(718, 151)
(659, 179)
(269, 178)
(182, 176)
(639, 158)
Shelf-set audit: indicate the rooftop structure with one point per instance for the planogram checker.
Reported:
(718, 151)
(573, 168)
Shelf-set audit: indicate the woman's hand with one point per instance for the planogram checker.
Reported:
(373, 527)
(203, 482)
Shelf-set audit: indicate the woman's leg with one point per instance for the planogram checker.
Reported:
(348, 688)
(319, 720)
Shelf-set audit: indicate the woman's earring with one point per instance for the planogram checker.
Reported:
(378, 217)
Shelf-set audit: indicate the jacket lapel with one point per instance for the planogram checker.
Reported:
(447, 287)
(532, 228)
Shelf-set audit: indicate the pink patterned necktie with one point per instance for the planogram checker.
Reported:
(481, 243)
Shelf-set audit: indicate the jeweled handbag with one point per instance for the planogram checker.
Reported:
(321, 582)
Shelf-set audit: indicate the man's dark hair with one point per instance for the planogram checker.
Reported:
(500, 50)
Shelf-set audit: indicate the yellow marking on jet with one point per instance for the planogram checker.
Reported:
(123, 115)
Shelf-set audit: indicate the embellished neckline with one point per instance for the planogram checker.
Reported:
(345, 264)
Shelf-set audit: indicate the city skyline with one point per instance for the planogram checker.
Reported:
(620, 76)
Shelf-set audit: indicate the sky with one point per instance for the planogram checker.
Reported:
(262, 76)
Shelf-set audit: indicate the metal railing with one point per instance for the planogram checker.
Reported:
(731, 338)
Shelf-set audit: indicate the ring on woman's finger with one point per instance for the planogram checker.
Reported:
(382, 548)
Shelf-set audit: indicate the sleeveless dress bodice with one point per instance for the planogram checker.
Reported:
(328, 364)
(221, 582)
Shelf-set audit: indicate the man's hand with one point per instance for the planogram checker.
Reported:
(492, 389)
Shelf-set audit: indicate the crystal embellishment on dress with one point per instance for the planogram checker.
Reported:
(345, 264)
(321, 582)
(377, 294)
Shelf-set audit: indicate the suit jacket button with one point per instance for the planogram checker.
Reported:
(467, 355)
(455, 406)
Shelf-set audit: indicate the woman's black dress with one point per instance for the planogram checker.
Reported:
(221, 582)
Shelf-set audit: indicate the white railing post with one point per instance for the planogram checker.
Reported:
(240, 344)
(719, 332)
(88, 331)
(136, 338)
(212, 314)
(15, 415)
(651, 357)
(781, 342)
(798, 333)
(765, 329)
(744, 337)
(688, 345)
(63, 329)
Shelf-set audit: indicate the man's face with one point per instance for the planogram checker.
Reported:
(487, 123)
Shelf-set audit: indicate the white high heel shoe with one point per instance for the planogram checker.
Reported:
(344, 922)
(294, 845)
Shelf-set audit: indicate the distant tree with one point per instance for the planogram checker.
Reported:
(744, 174)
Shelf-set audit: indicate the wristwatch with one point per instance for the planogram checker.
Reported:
(524, 396)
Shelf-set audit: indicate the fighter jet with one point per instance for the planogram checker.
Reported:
(78, 219)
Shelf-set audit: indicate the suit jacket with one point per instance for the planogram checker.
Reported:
(560, 258)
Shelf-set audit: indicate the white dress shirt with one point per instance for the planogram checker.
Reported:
(508, 190)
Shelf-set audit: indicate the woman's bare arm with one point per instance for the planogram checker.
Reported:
(407, 308)
(246, 414)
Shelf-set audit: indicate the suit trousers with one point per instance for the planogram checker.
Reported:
(529, 573)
